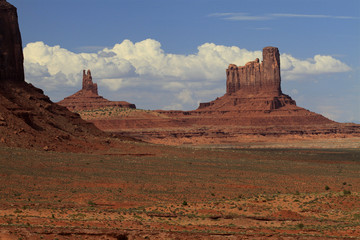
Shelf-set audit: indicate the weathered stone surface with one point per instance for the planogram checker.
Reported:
(255, 86)
(256, 77)
(88, 84)
(88, 99)
(11, 56)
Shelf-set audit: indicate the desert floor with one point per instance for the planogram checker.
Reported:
(148, 191)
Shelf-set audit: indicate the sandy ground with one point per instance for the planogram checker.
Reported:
(145, 191)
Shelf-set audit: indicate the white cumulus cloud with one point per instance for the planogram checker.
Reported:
(293, 68)
(146, 67)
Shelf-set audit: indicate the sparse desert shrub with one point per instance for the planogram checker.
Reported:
(346, 192)
(184, 203)
(300, 226)
(91, 203)
(17, 211)
(327, 188)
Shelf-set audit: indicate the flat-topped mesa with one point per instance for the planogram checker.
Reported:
(255, 77)
(11, 56)
(87, 83)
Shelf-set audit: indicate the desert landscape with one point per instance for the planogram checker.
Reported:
(248, 165)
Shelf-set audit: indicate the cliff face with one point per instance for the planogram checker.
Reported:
(256, 77)
(11, 56)
(88, 98)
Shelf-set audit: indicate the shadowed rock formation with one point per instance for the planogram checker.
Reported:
(88, 98)
(11, 56)
(27, 117)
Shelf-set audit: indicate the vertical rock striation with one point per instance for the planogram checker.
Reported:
(253, 87)
(11, 56)
(256, 77)
(88, 84)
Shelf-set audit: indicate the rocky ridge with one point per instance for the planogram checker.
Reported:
(88, 98)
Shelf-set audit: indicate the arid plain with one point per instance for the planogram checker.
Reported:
(143, 191)
(249, 165)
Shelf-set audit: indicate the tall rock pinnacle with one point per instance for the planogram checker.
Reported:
(88, 98)
(88, 84)
(256, 77)
(270, 74)
(11, 56)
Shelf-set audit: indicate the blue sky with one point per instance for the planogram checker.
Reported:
(173, 54)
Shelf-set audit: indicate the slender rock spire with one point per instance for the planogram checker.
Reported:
(87, 83)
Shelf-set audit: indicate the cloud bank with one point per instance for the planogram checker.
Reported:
(164, 79)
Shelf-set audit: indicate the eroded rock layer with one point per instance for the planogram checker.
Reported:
(255, 86)
(255, 77)
(88, 98)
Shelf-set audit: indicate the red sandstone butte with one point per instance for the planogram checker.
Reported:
(253, 98)
(255, 86)
(88, 98)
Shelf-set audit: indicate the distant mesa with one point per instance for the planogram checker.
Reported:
(88, 98)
